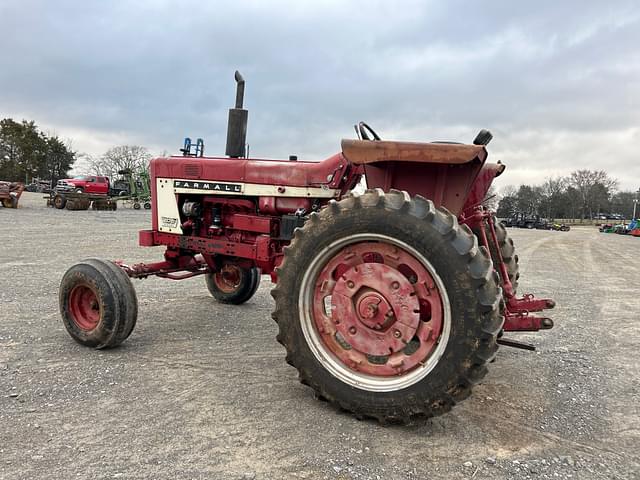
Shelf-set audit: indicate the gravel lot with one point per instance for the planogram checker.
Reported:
(201, 390)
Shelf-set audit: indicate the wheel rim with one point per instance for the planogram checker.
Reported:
(228, 279)
(84, 307)
(374, 312)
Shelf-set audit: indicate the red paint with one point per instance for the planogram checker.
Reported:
(90, 184)
(446, 185)
(84, 307)
(253, 223)
(246, 230)
(481, 185)
(376, 293)
(517, 310)
(271, 172)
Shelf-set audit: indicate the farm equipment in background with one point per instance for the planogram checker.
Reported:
(39, 186)
(99, 193)
(10, 193)
(72, 200)
(558, 227)
(134, 186)
(632, 228)
(390, 304)
(522, 220)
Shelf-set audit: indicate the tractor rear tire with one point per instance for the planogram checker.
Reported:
(147, 206)
(233, 284)
(403, 256)
(98, 304)
(507, 251)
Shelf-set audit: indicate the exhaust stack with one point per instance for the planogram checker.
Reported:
(237, 126)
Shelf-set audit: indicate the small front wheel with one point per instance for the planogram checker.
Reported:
(233, 284)
(98, 304)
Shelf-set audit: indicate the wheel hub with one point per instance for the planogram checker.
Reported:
(84, 307)
(228, 279)
(377, 309)
(384, 319)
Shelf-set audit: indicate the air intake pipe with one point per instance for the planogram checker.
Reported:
(237, 126)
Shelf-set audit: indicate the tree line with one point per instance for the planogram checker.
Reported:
(582, 194)
(27, 153)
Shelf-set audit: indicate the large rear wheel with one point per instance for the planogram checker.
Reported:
(387, 307)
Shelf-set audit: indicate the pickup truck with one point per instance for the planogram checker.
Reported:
(93, 184)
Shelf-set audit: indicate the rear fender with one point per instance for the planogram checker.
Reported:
(443, 173)
(481, 185)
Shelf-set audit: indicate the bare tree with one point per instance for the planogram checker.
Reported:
(529, 198)
(491, 199)
(552, 195)
(594, 187)
(124, 157)
(509, 191)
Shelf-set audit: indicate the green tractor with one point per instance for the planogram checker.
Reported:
(135, 186)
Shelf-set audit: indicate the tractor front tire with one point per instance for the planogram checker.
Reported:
(98, 304)
(233, 284)
(387, 307)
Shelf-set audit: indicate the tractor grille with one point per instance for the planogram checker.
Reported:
(191, 170)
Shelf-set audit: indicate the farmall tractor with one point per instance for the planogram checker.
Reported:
(389, 303)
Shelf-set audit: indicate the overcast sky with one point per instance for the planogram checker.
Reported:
(558, 83)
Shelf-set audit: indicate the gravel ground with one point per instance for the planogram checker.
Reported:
(201, 390)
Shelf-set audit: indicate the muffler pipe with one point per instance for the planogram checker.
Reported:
(237, 125)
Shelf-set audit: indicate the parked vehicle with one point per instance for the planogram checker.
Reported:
(38, 186)
(94, 184)
(522, 220)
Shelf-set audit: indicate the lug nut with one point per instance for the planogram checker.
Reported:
(350, 284)
(395, 285)
(397, 334)
(352, 330)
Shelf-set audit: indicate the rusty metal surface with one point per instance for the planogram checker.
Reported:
(10, 193)
(377, 309)
(365, 151)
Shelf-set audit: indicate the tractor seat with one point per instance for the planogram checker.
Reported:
(369, 151)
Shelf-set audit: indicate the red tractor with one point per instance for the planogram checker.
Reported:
(389, 304)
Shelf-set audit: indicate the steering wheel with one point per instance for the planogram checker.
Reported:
(362, 129)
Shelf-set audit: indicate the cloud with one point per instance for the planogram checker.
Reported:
(557, 82)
